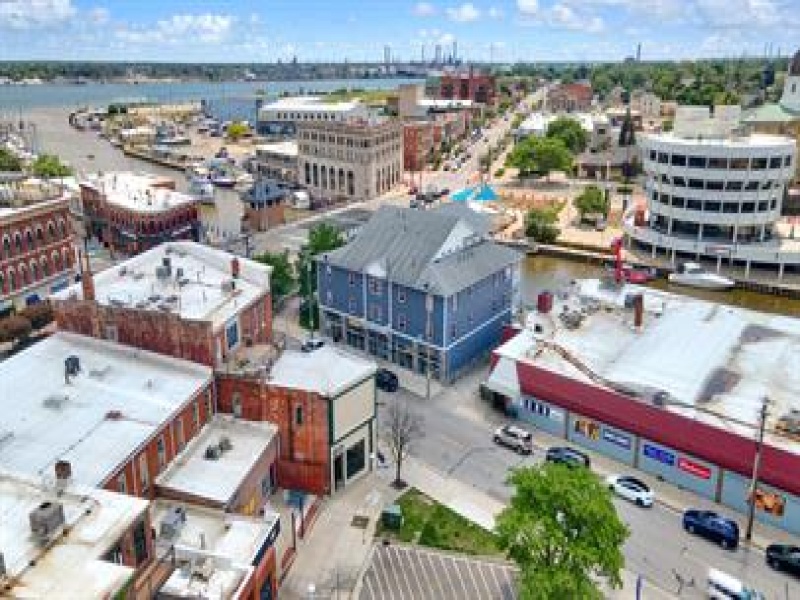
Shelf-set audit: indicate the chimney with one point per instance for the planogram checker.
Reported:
(87, 279)
(638, 311)
(63, 470)
(235, 267)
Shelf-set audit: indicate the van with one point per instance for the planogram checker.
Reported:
(722, 586)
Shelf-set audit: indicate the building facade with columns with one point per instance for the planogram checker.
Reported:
(715, 191)
(356, 159)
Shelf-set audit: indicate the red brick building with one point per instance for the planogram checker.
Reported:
(37, 254)
(570, 97)
(418, 144)
(130, 213)
(323, 404)
(471, 85)
(180, 299)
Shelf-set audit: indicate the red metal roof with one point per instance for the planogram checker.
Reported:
(726, 449)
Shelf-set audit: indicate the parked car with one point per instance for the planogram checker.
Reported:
(567, 456)
(631, 488)
(784, 557)
(386, 380)
(311, 344)
(515, 438)
(721, 586)
(712, 526)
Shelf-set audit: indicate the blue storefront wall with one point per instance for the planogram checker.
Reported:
(685, 471)
(476, 345)
(599, 437)
(773, 506)
(544, 416)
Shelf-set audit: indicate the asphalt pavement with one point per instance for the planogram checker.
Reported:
(458, 443)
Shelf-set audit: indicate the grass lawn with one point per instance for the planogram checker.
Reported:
(428, 523)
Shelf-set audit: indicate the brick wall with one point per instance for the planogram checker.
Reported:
(304, 451)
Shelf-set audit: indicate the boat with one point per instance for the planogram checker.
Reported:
(634, 275)
(692, 274)
(222, 180)
(203, 188)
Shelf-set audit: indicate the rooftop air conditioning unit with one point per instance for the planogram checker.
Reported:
(162, 272)
(213, 452)
(46, 519)
(227, 286)
(172, 522)
(225, 443)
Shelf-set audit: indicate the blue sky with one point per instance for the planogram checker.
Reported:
(506, 30)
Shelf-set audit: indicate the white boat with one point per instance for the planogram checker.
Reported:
(693, 275)
(202, 188)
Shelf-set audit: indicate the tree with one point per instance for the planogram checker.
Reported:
(322, 238)
(627, 133)
(540, 225)
(562, 530)
(9, 161)
(400, 431)
(570, 132)
(282, 279)
(540, 155)
(236, 130)
(49, 165)
(591, 201)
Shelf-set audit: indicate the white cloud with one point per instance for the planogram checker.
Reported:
(424, 9)
(495, 13)
(464, 13)
(30, 14)
(177, 29)
(446, 39)
(561, 15)
(528, 7)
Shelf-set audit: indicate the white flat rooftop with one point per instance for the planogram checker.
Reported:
(225, 543)
(311, 104)
(138, 192)
(198, 294)
(287, 148)
(329, 370)
(115, 404)
(753, 140)
(707, 361)
(72, 566)
(218, 480)
(444, 103)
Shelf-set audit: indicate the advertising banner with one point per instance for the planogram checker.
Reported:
(659, 454)
(623, 441)
(684, 464)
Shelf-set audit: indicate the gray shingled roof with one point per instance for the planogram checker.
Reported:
(402, 243)
(479, 222)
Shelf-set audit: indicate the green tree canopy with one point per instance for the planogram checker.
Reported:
(540, 155)
(9, 161)
(282, 279)
(591, 201)
(570, 132)
(49, 165)
(563, 532)
(237, 129)
(322, 238)
(541, 225)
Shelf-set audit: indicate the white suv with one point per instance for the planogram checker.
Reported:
(515, 438)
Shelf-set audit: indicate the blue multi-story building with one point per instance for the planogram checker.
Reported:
(414, 284)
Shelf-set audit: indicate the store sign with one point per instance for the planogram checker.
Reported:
(623, 441)
(693, 468)
(659, 454)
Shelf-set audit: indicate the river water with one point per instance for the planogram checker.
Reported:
(16, 99)
(547, 273)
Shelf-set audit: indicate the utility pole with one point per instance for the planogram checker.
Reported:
(756, 467)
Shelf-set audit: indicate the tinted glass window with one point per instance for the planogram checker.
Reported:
(717, 163)
(698, 162)
(679, 160)
(740, 164)
(775, 162)
(733, 186)
(759, 163)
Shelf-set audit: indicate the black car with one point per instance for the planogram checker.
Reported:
(567, 456)
(311, 344)
(712, 526)
(386, 380)
(783, 557)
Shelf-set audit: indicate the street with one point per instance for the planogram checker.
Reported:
(458, 443)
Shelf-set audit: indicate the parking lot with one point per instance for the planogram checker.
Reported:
(398, 572)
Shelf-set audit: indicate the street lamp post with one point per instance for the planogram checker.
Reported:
(756, 467)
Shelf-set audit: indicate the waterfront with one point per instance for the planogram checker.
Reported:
(19, 99)
(547, 273)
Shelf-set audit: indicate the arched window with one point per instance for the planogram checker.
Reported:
(6, 246)
(51, 231)
(12, 280)
(18, 241)
(45, 266)
(39, 234)
(316, 175)
(23, 276)
(324, 178)
(34, 271)
(2, 283)
(28, 239)
(56, 261)
(62, 228)
(351, 186)
(341, 180)
(67, 258)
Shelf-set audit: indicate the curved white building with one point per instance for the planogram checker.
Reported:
(714, 191)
